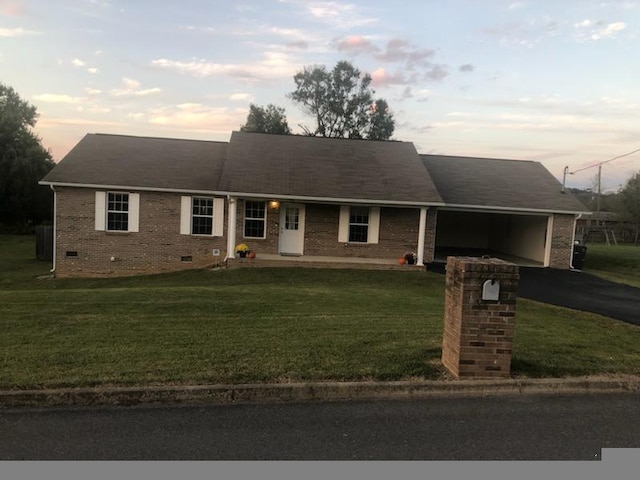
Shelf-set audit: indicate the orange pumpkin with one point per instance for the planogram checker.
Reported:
(402, 261)
(251, 255)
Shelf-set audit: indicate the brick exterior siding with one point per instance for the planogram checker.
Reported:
(561, 241)
(158, 245)
(398, 233)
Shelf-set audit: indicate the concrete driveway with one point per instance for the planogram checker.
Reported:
(581, 291)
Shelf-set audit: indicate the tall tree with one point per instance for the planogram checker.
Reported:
(341, 101)
(630, 195)
(269, 119)
(382, 122)
(23, 161)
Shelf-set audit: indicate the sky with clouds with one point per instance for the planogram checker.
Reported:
(552, 81)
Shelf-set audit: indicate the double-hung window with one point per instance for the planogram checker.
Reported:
(255, 215)
(117, 211)
(201, 216)
(359, 224)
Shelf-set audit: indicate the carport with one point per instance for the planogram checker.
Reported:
(511, 209)
(518, 238)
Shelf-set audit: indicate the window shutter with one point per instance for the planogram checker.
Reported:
(374, 224)
(134, 212)
(185, 215)
(101, 211)
(218, 217)
(343, 227)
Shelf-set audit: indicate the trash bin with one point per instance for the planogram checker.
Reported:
(579, 253)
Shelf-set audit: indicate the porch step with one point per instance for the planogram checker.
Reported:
(292, 262)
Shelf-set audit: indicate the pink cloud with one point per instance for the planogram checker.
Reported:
(356, 44)
(12, 8)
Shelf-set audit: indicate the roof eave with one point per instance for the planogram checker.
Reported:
(132, 187)
(451, 206)
(336, 200)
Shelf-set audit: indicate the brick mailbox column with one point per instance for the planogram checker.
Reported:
(479, 317)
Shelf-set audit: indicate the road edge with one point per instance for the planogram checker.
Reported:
(313, 392)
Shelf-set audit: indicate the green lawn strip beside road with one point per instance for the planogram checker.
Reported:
(265, 325)
(618, 263)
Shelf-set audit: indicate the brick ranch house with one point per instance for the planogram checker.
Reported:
(130, 205)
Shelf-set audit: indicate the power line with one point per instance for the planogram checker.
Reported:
(599, 165)
(606, 161)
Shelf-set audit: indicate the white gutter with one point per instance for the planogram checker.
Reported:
(337, 200)
(524, 211)
(341, 201)
(133, 187)
(573, 240)
(55, 216)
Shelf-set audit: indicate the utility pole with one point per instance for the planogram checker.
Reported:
(599, 192)
(564, 178)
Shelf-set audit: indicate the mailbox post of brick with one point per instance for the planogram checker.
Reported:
(479, 317)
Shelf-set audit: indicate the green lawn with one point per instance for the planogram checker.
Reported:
(619, 263)
(263, 325)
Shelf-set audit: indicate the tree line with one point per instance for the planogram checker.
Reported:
(23, 162)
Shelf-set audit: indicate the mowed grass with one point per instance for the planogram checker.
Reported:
(263, 325)
(618, 263)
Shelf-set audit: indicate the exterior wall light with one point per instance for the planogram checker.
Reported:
(274, 204)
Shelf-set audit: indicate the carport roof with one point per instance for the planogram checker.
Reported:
(495, 183)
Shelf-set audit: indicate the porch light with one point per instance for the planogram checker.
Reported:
(274, 204)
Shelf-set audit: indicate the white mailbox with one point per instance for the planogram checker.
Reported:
(491, 290)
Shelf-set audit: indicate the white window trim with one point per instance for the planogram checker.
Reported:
(186, 213)
(374, 226)
(133, 224)
(264, 219)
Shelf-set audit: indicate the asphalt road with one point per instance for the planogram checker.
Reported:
(490, 428)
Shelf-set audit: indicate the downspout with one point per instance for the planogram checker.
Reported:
(421, 232)
(573, 239)
(231, 227)
(55, 233)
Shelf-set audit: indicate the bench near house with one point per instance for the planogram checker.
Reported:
(130, 205)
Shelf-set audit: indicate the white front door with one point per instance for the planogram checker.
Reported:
(291, 229)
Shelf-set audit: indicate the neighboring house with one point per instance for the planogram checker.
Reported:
(128, 205)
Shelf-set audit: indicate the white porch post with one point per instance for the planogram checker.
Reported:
(421, 232)
(231, 227)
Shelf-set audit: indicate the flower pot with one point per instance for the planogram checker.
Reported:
(242, 254)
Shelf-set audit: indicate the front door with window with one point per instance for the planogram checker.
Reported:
(291, 229)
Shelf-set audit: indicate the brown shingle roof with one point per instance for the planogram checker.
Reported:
(487, 182)
(328, 168)
(127, 161)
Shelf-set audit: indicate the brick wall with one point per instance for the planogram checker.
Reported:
(399, 229)
(157, 247)
(478, 334)
(561, 241)
(430, 235)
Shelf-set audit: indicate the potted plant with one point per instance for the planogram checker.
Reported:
(410, 258)
(242, 249)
